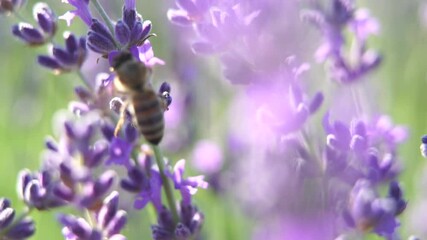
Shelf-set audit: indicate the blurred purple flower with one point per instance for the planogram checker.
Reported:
(37, 190)
(189, 11)
(188, 186)
(332, 23)
(368, 211)
(207, 157)
(82, 10)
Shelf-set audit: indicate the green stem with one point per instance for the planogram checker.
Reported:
(106, 19)
(167, 187)
(17, 221)
(89, 217)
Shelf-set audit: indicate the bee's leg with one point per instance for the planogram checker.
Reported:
(122, 118)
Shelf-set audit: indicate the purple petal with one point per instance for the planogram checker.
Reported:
(117, 223)
(49, 62)
(122, 32)
(179, 17)
(130, 4)
(6, 217)
(22, 230)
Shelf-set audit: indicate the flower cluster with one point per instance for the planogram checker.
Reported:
(296, 162)
(76, 164)
(334, 182)
(332, 22)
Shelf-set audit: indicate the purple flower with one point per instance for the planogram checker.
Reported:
(146, 55)
(150, 192)
(187, 186)
(66, 59)
(13, 230)
(109, 222)
(120, 151)
(36, 36)
(132, 30)
(373, 145)
(332, 23)
(144, 181)
(99, 38)
(82, 10)
(368, 211)
(189, 226)
(37, 190)
(189, 11)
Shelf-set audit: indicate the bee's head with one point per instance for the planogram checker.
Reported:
(121, 58)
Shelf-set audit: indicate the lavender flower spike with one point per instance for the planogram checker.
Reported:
(109, 222)
(35, 36)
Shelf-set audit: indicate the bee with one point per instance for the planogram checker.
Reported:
(144, 104)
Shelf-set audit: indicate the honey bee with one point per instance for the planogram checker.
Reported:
(144, 104)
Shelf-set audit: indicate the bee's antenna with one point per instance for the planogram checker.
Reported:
(139, 43)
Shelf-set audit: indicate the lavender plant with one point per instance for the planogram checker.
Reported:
(298, 165)
(76, 167)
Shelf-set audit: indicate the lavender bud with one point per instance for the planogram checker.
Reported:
(27, 33)
(129, 17)
(6, 216)
(65, 59)
(51, 144)
(45, 18)
(122, 32)
(182, 232)
(24, 229)
(117, 223)
(49, 62)
(99, 38)
(108, 209)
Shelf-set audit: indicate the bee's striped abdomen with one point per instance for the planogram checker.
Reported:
(149, 115)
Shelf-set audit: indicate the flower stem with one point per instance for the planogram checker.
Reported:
(167, 187)
(106, 18)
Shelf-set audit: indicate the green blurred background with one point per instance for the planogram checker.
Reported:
(30, 96)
